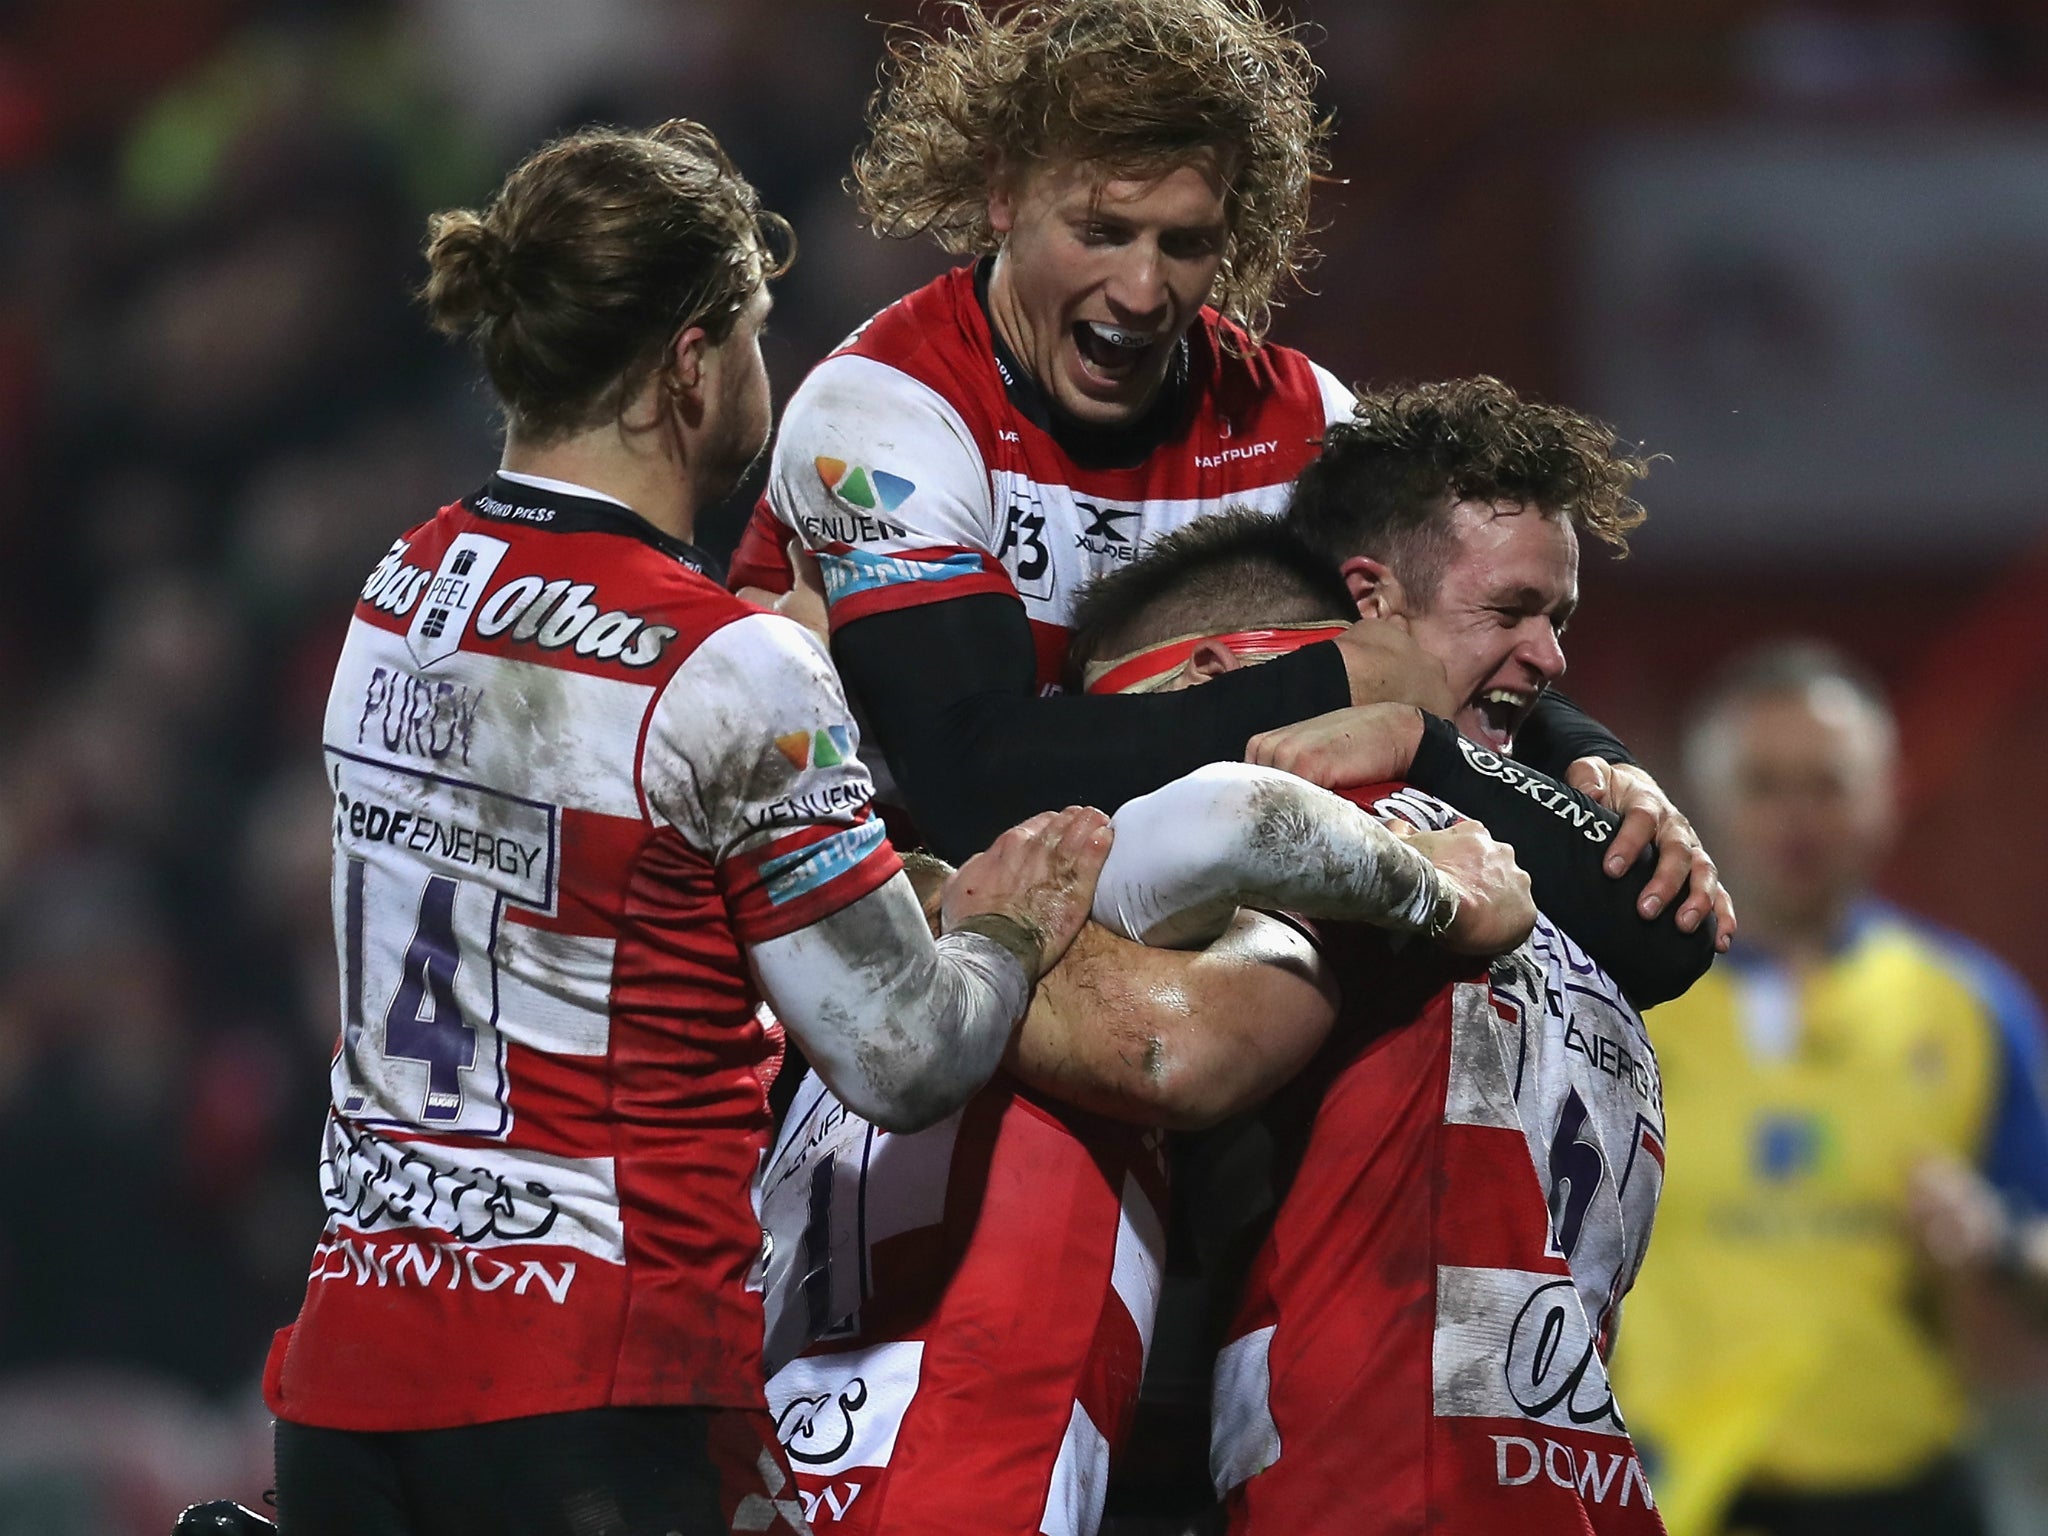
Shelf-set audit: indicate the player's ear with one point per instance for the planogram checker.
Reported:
(1212, 658)
(1374, 587)
(681, 377)
(684, 364)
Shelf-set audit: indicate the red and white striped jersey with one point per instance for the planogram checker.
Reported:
(1422, 1342)
(572, 778)
(981, 1295)
(919, 464)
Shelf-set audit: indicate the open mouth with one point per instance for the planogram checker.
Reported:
(1498, 713)
(1110, 352)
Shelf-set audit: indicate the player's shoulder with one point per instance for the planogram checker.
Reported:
(929, 353)
(1266, 386)
(541, 574)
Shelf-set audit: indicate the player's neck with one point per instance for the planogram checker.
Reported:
(636, 470)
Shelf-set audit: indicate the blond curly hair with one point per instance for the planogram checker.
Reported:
(1136, 87)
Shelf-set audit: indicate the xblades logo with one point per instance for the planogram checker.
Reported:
(1103, 536)
(1102, 522)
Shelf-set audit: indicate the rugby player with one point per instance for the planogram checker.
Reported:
(590, 811)
(1472, 1158)
(983, 1292)
(976, 452)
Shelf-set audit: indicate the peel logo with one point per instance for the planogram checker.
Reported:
(859, 486)
(826, 747)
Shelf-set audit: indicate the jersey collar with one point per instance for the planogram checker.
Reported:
(555, 508)
(1120, 447)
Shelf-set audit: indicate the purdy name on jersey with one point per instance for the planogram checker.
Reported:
(919, 467)
(572, 779)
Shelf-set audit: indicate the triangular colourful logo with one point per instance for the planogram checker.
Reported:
(826, 748)
(854, 488)
(859, 486)
(893, 489)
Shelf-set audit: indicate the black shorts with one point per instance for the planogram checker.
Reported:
(599, 1472)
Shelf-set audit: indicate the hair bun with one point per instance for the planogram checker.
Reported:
(467, 278)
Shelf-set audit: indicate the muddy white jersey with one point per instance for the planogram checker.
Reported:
(920, 463)
(1476, 1159)
(572, 779)
(1586, 1093)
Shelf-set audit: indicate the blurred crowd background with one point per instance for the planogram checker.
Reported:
(1800, 248)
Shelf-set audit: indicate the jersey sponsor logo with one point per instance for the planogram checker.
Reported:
(554, 614)
(1053, 537)
(830, 1504)
(1103, 534)
(458, 829)
(1232, 455)
(466, 568)
(850, 572)
(515, 512)
(820, 804)
(394, 586)
(826, 747)
(1614, 1059)
(817, 1431)
(1559, 803)
(1515, 1344)
(814, 1224)
(803, 870)
(416, 717)
(425, 866)
(863, 488)
(848, 528)
(1790, 1145)
(413, 1264)
(1592, 1475)
(838, 1412)
(369, 1182)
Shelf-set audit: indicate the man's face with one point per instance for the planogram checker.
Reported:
(1497, 619)
(1798, 789)
(1098, 280)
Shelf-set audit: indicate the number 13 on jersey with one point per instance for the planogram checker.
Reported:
(425, 865)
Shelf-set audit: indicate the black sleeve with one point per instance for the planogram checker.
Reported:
(1560, 837)
(949, 691)
(1558, 732)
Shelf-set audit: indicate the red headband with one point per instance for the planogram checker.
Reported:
(1251, 644)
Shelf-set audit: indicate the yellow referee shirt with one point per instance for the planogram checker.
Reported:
(1781, 1334)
